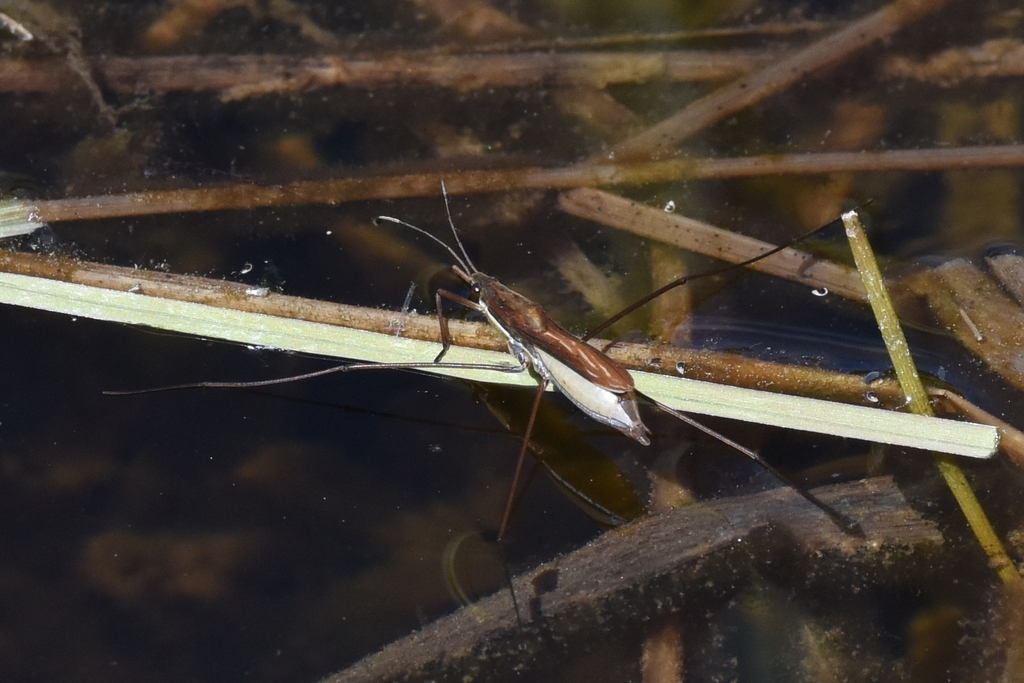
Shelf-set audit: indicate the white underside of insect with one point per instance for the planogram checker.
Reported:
(614, 406)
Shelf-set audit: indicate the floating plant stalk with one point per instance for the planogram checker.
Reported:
(906, 371)
(214, 309)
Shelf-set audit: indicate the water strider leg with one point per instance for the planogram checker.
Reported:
(527, 433)
(848, 525)
(446, 341)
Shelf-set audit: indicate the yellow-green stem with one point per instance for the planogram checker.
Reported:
(910, 380)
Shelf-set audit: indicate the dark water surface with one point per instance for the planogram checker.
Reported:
(282, 534)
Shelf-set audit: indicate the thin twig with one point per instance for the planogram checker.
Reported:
(428, 184)
(619, 39)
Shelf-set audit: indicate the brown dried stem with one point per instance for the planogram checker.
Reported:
(252, 75)
(703, 238)
(1003, 57)
(428, 184)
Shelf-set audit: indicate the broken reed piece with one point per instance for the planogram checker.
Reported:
(1011, 439)
(708, 366)
(18, 217)
(687, 233)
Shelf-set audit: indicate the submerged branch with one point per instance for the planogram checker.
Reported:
(241, 76)
(686, 558)
(661, 139)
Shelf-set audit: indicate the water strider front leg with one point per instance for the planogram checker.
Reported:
(446, 341)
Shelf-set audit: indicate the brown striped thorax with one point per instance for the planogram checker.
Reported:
(598, 386)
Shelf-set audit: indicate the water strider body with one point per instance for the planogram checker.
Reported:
(598, 386)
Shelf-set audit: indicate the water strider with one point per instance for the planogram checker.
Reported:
(588, 377)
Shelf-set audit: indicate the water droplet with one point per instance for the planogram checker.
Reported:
(871, 397)
(820, 291)
(670, 206)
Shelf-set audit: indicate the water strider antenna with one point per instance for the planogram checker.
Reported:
(463, 261)
(448, 210)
